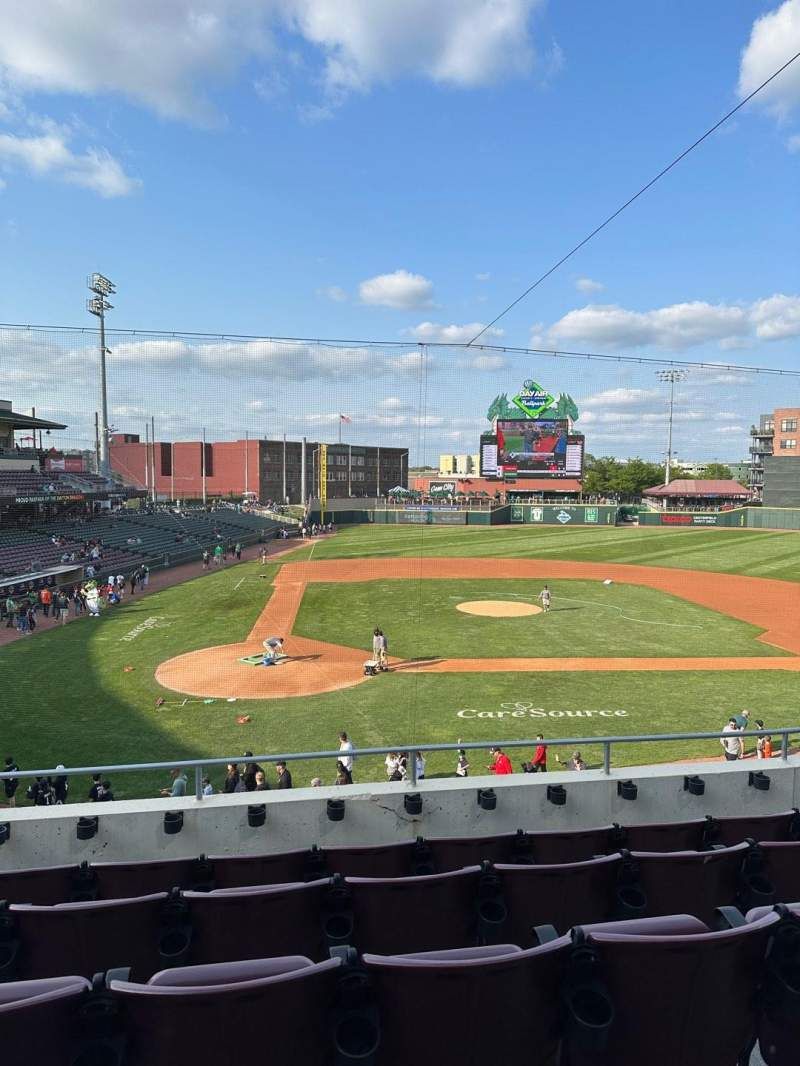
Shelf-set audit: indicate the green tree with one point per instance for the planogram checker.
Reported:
(716, 472)
(637, 475)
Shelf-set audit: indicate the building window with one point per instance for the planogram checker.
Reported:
(358, 475)
(788, 425)
(789, 442)
(358, 460)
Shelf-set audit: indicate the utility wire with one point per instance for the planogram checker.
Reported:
(635, 197)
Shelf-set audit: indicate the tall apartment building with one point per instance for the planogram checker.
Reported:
(774, 476)
(459, 464)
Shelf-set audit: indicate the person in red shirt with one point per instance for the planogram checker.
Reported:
(501, 763)
(539, 761)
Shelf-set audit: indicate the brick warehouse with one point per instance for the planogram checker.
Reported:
(263, 467)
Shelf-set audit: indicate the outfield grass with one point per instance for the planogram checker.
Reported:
(587, 619)
(732, 551)
(67, 697)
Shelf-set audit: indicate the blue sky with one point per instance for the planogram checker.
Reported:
(400, 171)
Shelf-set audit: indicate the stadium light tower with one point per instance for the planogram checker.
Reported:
(672, 375)
(98, 305)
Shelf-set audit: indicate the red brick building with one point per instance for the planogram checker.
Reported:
(272, 470)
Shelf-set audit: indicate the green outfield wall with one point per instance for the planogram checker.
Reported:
(556, 514)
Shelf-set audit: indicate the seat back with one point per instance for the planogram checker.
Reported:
(282, 868)
(454, 853)
(690, 882)
(562, 896)
(86, 938)
(398, 915)
(675, 999)
(759, 827)
(209, 1023)
(259, 922)
(497, 1009)
(44, 886)
(383, 860)
(36, 1018)
(555, 847)
(122, 880)
(666, 836)
(782, 860)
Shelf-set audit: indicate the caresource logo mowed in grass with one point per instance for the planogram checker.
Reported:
(156, 622)
(527, 710)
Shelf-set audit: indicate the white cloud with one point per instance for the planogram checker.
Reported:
(391, 403)
(157, 54)
(49, 155)
(333, 292)
(435, 333)
(587, 285)
(793, 144)
(482, 277)
(774, 38)
(167, 56)
(457, 42)
(777, 317)
(401, 290)
(487, 362)
(621, 397)
(675, 327)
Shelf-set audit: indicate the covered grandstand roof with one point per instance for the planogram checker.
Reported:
(19, 421)
(698, 487)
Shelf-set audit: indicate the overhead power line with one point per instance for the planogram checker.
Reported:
(635, 197)
(330, 342)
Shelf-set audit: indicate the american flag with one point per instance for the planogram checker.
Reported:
(345, 418)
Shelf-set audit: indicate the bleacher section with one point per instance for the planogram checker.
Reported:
(413, 952)
(129, 539)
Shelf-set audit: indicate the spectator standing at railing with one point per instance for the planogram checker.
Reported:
(346, 758)
(11, 784)
(11, 612)
(501, 764)
(284, 777)
(145, 576)
(46, 598)
(731, 742)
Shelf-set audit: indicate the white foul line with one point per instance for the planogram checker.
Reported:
(241, 582)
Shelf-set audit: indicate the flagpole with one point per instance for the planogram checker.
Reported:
(340, 429)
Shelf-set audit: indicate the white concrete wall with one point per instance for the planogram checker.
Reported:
(134, 829)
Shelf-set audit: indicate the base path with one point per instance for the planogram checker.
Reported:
(315, 666)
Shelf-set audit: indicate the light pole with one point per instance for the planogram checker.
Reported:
(672, 375)
(98, 305)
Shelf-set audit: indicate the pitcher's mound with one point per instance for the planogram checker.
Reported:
(498, 608)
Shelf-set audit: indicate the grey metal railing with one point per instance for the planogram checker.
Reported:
(199, 765)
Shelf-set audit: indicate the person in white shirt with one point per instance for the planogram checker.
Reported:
(420, 765)
(732, 742)
(346, 746)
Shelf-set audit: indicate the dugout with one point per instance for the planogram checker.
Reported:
(55, 576)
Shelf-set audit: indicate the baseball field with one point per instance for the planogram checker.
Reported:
(649, 631)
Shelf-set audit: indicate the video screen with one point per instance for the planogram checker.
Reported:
(539, 448)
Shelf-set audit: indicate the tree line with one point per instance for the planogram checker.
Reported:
(606, 476)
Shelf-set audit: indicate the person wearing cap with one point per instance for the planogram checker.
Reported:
(539, 760)
(501, 763)
(462, 764)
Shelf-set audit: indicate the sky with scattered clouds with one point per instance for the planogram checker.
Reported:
(399, 170)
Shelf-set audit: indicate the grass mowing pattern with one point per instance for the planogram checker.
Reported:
(587, 619)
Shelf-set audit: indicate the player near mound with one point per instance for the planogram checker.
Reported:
(273, 651)
(546, 598)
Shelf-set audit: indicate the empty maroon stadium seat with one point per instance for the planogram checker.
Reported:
(37, 1019)
(453, 853)
(224, 1014)
(664, 1000)
(383, 860)
(46, 885)
(691, 882)
(429, 913)
(779, 1016)
(666, 836)
(459, 1007)
(758, 827)
(281, 868)
(561, 896)
(258, 922)
(556, 846)
(145, 934)
(782, 860)
(119, 880)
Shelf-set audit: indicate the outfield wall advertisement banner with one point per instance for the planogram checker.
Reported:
(568, 514)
